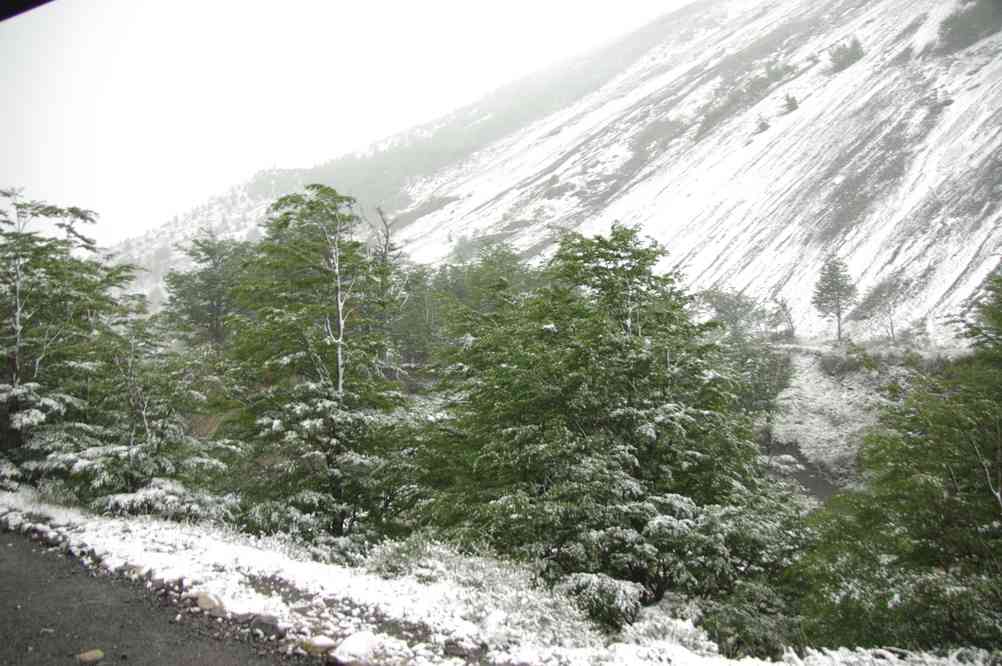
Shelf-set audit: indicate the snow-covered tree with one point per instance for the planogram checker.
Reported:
(594, 428)
(882, 301)
(130, 428)
(54, 295)
(317, 365)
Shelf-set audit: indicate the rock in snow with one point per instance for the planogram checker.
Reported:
(365, 648)
(359, 649)
(208, 602)
(90, 657)
(319, 644)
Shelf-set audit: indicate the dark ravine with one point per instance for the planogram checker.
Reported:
(811, 476)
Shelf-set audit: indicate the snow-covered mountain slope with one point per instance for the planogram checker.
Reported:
(729, 131)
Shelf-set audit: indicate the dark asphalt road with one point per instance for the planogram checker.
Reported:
(52, 609)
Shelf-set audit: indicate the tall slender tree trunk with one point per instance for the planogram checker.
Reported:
(340, 302)
(10, 437)
(838, 318)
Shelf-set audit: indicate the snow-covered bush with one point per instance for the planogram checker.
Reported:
(417, 556)
(600, 431)
(10, 475)
(302, 517)
(672, 620)
(28, 407)
(121, 445)
(169, 499)
(56, 491)
(508, 600)
(93, 462)
(610, 602)
(316, 468)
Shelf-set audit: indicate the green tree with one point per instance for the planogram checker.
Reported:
(985, 331)
(312, 344)
(200, 300)
(594, 429)
(742, 317)
(781, 316)
(834, 292)
(54, 294)
(92, 403)
(790, 103)
(845, 55)
(451, 292)
(127, 444)
(305, 306)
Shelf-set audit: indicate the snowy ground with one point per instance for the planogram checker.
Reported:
(440, 608)
(827, 415)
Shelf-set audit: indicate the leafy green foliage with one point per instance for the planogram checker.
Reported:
(610, 602)
(94, 400)
(303, 303)
(752, 620)
(594, 428)
(53, 295)
(315, 363)
(201, 300)
(985, 332)
(128, 427)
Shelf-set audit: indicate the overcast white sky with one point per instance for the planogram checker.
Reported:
(140, 109)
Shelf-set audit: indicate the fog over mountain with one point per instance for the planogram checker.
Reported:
(753, 138)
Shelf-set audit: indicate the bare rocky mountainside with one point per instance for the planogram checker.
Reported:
(754, 138)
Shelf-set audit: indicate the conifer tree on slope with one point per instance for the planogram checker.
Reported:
(834, 292)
